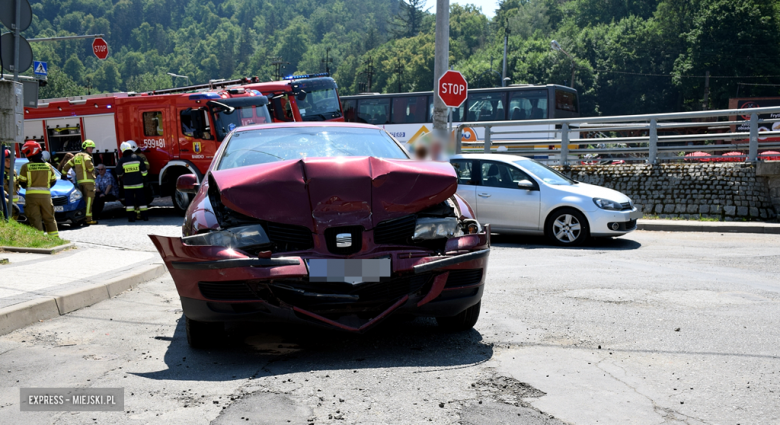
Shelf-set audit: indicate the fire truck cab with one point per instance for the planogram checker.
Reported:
(310, 97)
(178, 132)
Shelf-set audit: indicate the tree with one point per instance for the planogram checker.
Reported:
(73, 67)
(728, 38)
(59, 84)
(408, 21)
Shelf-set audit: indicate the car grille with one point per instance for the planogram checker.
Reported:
(627, 206)
(464, 278)
(226, 291)
(59, 201)
(294, 237)
(397, 231)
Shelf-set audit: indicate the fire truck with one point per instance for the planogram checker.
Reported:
(179, 129)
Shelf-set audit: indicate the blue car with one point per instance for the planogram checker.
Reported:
(69, 205)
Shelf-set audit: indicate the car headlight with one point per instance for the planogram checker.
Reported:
(436, 228)
(74, 196)
(606, 204)
(20, 200)
(238, 237)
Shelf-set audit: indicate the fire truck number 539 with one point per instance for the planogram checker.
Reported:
(154, 143)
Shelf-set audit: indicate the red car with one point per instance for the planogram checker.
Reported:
(328, 224)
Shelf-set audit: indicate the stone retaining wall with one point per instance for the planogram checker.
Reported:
(728, 191)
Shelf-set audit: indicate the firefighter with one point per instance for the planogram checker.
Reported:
(132, 170)
(148, 194)
(38, 177)
(85, 175)
(7, 192)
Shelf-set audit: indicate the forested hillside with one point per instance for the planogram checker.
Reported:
(632, 56)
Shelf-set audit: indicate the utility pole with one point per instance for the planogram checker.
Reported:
(327, 61)
(399, 69)
(278, 63)
(369, 73)
(706, 103)
(441, 64)
(506, 40)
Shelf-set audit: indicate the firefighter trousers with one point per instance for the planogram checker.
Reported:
(135, 203)
(88, 190)
(40, 212)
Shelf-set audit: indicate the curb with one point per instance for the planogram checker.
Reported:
(54, 250)
(708, 227)
(24, 314)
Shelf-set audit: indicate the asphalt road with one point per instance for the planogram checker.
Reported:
(652, 328)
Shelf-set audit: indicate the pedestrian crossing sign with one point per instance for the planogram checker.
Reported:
(40, 68)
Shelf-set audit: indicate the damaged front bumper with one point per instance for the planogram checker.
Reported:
(222, 284)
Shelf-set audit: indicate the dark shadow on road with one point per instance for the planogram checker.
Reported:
(253, 349)
(536, 242)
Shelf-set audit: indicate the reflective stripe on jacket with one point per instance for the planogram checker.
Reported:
(132, 171)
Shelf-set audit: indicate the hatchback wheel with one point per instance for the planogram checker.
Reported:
(460, 322)
(181, 201)
(203, 334)
(567, 227)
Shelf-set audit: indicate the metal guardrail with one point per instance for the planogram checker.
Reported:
(641, 148)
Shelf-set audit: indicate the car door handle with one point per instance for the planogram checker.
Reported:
(484, 195)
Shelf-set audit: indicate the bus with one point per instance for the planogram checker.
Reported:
(408, 116)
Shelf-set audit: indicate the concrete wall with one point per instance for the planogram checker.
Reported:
(727, 191)
(770, 170)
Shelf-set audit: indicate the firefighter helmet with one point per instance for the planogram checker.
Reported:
(87, 144)
(124, 147)
(31, 148)
(7, 153)
(133, 145)
(46, 156)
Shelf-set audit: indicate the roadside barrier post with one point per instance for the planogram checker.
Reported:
(753, 149)
(459, 141)
(564, 144)
(652, 157)
(487, 139)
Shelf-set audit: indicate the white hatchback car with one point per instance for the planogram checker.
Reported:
(515, 194)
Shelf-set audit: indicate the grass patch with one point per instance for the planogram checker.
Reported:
(20, 235)
(657, 217)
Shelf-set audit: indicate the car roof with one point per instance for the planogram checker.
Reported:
(491, 156)
(307, 124)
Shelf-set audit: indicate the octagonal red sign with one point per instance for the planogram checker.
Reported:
(100, 48)
(453, 89)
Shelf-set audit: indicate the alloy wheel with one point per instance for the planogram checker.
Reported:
(567, 228)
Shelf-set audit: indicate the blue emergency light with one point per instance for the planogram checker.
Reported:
(201, 96)
(298, 77)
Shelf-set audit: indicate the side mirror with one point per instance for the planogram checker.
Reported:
(187, 183)
(522, 184)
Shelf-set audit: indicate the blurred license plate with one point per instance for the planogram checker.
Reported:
(636, 215)
(59, 209)
(349, 270)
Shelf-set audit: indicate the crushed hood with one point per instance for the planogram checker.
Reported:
(327, 192)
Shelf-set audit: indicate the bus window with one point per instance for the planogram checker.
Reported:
(457, 114)
(349, 110)
(409, 109)
(566, 101)
(528, 105)
(486, 107)
(374, 111)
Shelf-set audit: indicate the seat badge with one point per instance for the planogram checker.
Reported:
(343, 240)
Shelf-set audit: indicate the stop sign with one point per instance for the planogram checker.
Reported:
(453, 89)
(100, 47)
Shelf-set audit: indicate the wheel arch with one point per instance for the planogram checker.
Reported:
(553, 211)
(172, 171)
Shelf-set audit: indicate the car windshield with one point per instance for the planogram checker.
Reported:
(284, 143)
(19, 162)
(320, 105)
(226, 120)
(547, 174)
